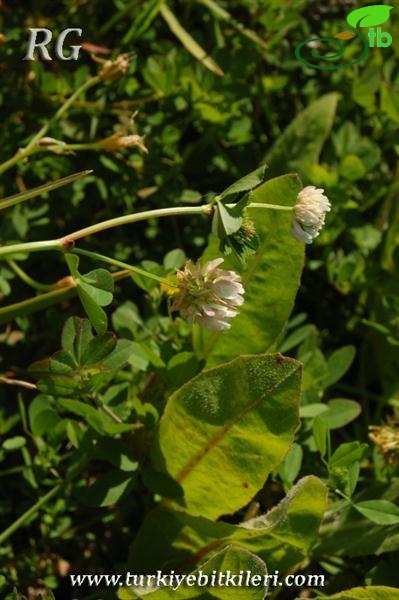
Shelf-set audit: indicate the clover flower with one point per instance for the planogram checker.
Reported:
(208, 295)
(309, 213)
(386, 437)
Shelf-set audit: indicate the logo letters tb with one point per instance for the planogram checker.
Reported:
(42, 44)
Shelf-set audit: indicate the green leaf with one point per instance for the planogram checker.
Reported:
(120, 355)
(99, 285)
(72, 260)
(269, 289)
(98, 348)
(339, 412)
(188, 41)
(42, 189)
(15, 443)
(354, 535)
(95, 289)
(234, 229)
(346, 454)
(390, 103)
(372, 592)
(338, 364)
(295, 338)
(310, 411)
(174, 259)
(320, 435)
(107, 489)
(352, 168)
(241, 415)
(227, 220)
(75, 337)
(298, 148)
(62, 363)
(96, 314)
(381, 512)
(239, 26)
(85, 364)
(89, 413)
(369, 16)
(282, 537)
(116, 453)
(291, 466)
(245, 184)
(143, 19)
(42, 416)
(182, 367)
(231, 559)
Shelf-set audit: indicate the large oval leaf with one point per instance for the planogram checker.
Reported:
(369, 16)
(224, 431)
(271, 278)
(282, 538)
(372, 592)
(231, 559)
(298, 147)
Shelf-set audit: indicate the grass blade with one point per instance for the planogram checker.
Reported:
(188, 41)
(222, 14)
(42, 189)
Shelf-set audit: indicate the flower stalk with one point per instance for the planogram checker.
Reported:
(67, 242)
(123, 265)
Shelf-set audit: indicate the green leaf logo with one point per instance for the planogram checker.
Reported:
(369, 16)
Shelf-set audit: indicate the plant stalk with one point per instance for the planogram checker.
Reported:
(67, 242)
(118, 263)
(29, 513)
(20, 155)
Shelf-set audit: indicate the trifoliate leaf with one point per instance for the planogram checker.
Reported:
(95, 289)
(236, 232)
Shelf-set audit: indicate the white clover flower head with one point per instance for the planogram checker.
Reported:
(309, 213)
(208, 295)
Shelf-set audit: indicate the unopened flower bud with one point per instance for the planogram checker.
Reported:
(113, 69)
(118, 141)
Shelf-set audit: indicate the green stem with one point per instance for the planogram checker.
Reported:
(118, 263)
(31, 247)
(269, 206)
(61, 148)
(42, 132)
(42, 301)
(41, 287)
(141, 216)
(67, 242)
(344, 496)
(29, 513)
(108, 411)
(74, 472)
